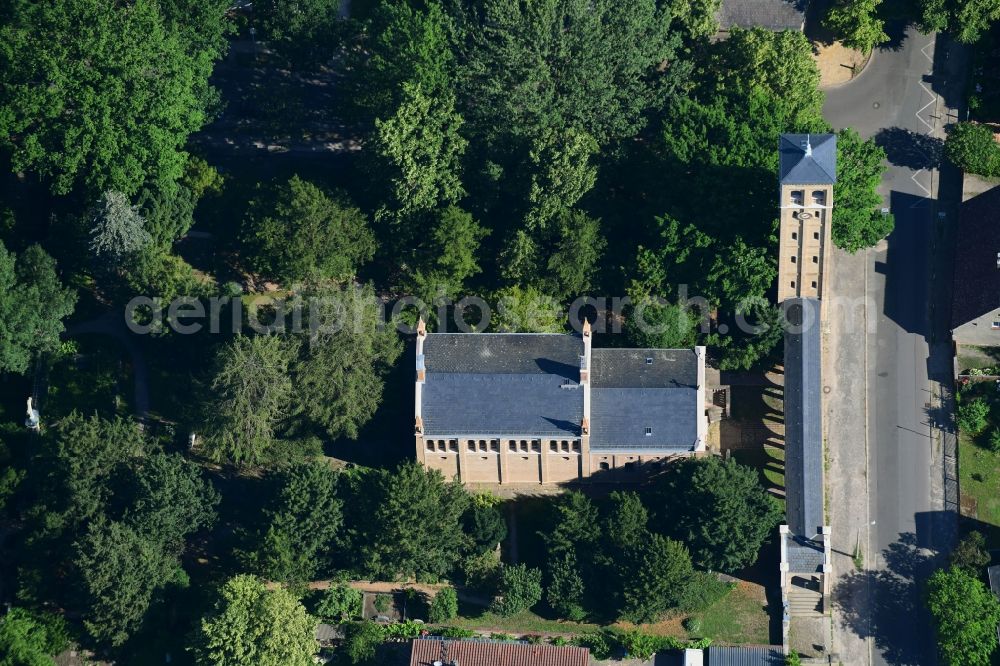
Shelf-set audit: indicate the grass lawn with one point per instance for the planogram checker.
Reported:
(739, 618)
(979, 468)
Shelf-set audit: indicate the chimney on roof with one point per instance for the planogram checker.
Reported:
(998, 259)
(809, 146)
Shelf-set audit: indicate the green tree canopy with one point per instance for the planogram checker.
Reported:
(341, 369)
(254, 626)
(413, 520)
(119, 569)
(444, 606)
(418, 153)
(446, 258)
(33, 304)
(545, 66)
(972, 147)
(484, 523)
(561, 173)
(719, 510)
(857, 221)
(405, 44)
(296, 230)
(340, 602)
(520, 589)
(251, 393)
(31, 639)
(966, 614)
(526, 310)
(302, 522)
(857, 23)
(967, 20)
(659, 572)
(109, 107)
(302, 30)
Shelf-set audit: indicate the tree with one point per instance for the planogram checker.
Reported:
(302, 523)
(574, 255)
(444, 606)
(973, 415)
(254, 626)
(361, 640)
(167, 500)
(967, 20)
(484, 522)
(340, 372)
(565, 590)
(119, 569)
(593, 66)
(340, 602)
(419, 151)
(31, 639)
(414, 523)
(624, 521)
(251, 394)
(560, 162)
(526, 310)
(302, 30)
(659, 324)
(661, 570)
(109, 107)
(573, 522)
(166, 215)
(778, 62)
(520, 589)
(118, 230)
(857, 23)
(857, 221)
(973, 148)
(297, 230)
(33, 304)
(971, 554)
(446, 258)
(966, 615)
(719, 509)
(405, 44)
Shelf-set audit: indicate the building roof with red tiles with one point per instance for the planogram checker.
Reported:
(429, 651)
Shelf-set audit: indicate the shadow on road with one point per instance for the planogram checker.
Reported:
(886, 604)
(906, 148)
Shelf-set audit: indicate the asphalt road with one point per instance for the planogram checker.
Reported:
(896, 100)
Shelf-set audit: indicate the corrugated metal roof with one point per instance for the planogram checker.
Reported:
(803, 418)
(798, 168)
(745, 656)
(426, 651)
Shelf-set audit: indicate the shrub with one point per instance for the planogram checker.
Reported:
(971, 147)
(408, 629)
(641, 645)
(444, 605)
(455, 632)
(482, 572)
(702, 591)
(361, 639)
(972, 415)
(560, 641)
(383, 602)
(601, 644)
(340, 603)
(520, 589)
(793, 659)
(692, 624)
(994, 442)
(501, 637)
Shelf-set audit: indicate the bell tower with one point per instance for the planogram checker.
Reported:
(808, 171)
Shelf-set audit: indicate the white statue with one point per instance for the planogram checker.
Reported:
(34, 420)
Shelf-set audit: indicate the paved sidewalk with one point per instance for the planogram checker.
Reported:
(847, 501)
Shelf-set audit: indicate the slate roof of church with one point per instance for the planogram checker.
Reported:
(798, 168)
(502, 384)
(496, 384)
(633, 390)
(803, 418)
